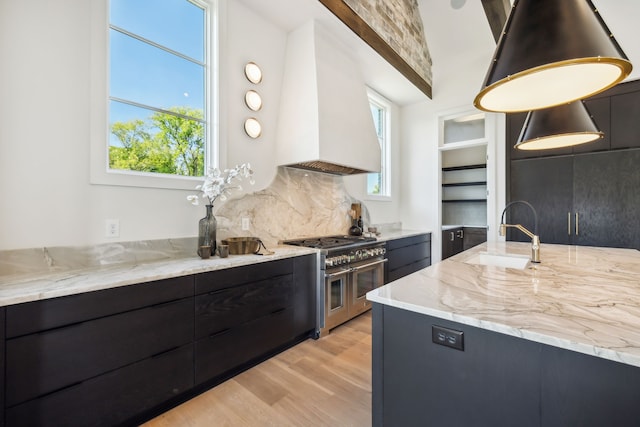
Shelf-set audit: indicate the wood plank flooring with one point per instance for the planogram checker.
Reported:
(325, 382)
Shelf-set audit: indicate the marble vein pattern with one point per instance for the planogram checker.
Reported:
(19, 289)
(584, 299)
(297, 204)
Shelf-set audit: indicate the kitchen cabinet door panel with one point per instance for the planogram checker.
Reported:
(227, 278)
(625, 110)
(493, 382)
(229, 350)
(473, 236)
(114, 398)
(607, 199)
(548, 185)
(231, 307)
(452, 242)
(38, 316)
(407, 241)
(408, 269)
(305, 296)
(44, 362)
(407, 255)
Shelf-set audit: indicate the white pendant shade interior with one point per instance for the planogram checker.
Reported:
(551, 53)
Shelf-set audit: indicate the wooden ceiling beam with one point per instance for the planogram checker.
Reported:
(497, 12)
(369, 36)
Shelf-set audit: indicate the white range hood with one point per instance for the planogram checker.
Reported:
(325, 122)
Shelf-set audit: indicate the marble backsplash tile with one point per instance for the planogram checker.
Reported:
(297, 204)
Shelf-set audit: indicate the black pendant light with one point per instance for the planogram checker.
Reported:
(551, 52)
(561, 126)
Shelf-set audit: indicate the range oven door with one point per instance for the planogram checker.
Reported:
(336, 301)
(366, 276)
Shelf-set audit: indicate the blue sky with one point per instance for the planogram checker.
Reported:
(148, 75)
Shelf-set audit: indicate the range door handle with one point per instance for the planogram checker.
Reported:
(361, 267)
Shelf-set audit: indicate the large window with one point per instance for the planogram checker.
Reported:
(158, 87)
(379, 184)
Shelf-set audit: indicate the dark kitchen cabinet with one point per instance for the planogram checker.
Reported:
(495, 380)
(305, 290)
(122, 355)
(114, 398)
(452, 242)
(625, 110)
(588, 199)
(249, 313)
(473, 236)
(548, 185)
(407, 255)
(65, 352)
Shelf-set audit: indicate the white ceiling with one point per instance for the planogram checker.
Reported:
(450, 33)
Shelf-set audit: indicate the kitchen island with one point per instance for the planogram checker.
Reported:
(555, 343)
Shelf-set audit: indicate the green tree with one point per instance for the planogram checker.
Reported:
(163, 143)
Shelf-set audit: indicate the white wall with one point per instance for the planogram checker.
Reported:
(45, 107)
(456, 80)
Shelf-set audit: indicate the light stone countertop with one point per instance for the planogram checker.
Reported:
(14, 290)
(585, 299)
(98, 268)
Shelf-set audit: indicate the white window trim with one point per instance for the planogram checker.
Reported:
(383, 102)
(100, 173)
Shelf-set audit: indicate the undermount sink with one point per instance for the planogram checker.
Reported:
(519, 262)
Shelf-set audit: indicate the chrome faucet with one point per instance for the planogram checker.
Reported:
(535, 239)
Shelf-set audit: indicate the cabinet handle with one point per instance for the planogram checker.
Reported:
(453, 236)
(568, 223)
(577, 232)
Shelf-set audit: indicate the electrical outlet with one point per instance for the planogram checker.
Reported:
(112, 228)
(246, 224)
(447, 337)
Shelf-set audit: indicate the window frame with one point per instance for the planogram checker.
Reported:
(100, 172)
(385, 150)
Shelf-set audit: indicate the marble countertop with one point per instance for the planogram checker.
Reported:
(25, 288)
(585, 299)
(78, 270)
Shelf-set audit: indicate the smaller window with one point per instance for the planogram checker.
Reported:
(379, 184)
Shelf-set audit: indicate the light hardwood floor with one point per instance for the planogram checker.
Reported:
(325, 382)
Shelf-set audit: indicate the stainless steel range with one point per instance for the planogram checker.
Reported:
(350, 266)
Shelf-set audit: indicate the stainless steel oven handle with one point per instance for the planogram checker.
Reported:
(339, 273)
(360, 267)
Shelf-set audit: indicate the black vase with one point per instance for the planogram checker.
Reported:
(207, 234)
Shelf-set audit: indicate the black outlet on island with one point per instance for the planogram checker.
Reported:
(447, 337)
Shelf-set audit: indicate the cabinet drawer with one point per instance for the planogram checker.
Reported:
(230, 307)
(473, 236)
(408, 269)
(408, 241)
(44, 362)
(408, 255)
(221, 279)
(37, 316)
(228, 350)
(113, 398)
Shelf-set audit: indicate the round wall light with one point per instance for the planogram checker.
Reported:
(252, 127)
(253, 100)
(253, 72)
